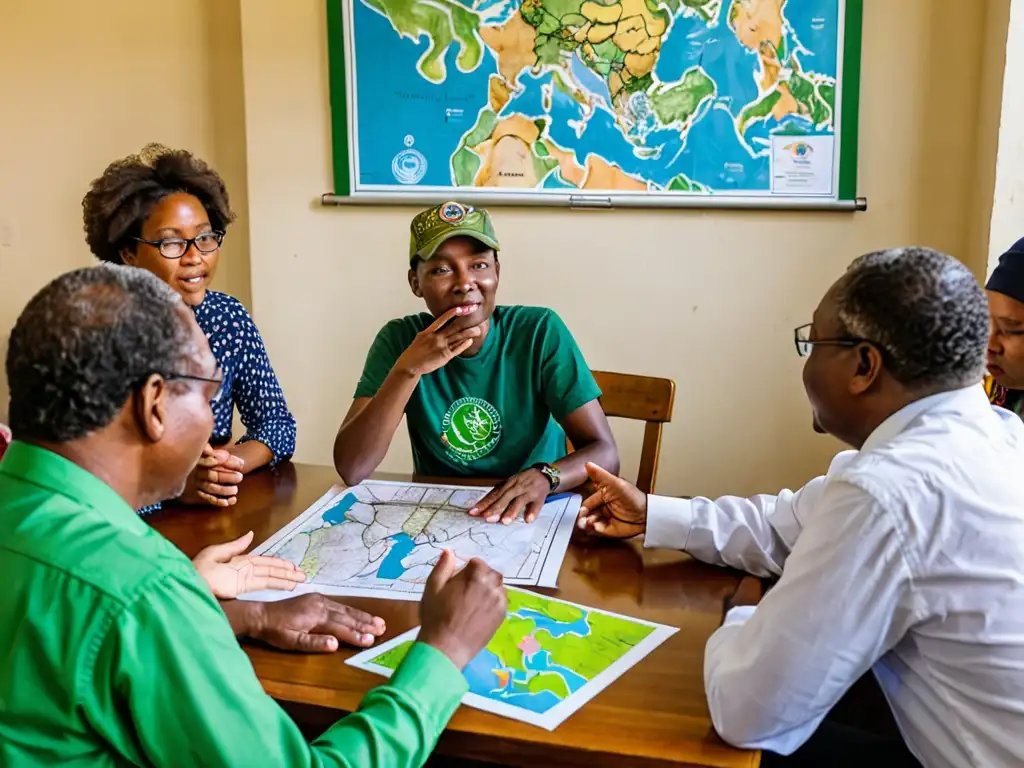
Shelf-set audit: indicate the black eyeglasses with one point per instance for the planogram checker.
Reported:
(188, 377)
(176, 247)
(805, 344)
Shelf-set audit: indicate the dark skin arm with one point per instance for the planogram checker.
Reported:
(253, 453)
(588, 430)
(365, 435)
(310, 623)
(370, 425)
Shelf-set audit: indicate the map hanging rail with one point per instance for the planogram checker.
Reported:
(600, 202)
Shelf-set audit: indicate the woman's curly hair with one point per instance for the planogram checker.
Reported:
(119, 202)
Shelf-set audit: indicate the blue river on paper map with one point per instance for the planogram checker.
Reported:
(398, 109)
(391, 566)
(335, 515)
(484, 682)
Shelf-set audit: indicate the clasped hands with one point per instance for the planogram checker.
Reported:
(215, 479)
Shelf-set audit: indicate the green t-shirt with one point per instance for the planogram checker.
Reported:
(496, 413)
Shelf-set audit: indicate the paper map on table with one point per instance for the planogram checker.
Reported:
(380, 539)
(547, 659)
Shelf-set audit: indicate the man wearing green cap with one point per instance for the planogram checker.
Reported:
(488, 391)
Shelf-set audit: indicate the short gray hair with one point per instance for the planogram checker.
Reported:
(924, 310)
(84, 343)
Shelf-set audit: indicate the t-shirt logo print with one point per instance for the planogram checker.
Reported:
(471, 428)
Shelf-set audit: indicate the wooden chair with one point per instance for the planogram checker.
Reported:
(643, 398)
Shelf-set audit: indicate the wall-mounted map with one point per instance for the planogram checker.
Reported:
(740, 98)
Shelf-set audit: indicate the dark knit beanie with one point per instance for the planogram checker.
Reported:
(1008, 277)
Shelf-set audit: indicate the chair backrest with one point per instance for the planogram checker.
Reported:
(643, 398)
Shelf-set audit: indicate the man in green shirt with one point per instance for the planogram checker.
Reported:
(115, 651)
(488, 391)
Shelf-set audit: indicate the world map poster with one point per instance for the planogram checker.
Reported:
(547, 659)
(564, 97)
(382, 539)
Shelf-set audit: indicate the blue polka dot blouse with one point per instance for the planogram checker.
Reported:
(249, 380)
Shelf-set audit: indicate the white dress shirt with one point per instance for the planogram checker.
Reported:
(906, 558)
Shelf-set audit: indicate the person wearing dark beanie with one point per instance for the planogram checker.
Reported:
(1005, 288)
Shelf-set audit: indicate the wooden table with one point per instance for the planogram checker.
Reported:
(654, 715)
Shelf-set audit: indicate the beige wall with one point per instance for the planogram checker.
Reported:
(706, 298)
(83, 83)
(1007, 224)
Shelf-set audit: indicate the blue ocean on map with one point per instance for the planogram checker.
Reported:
(335, 514)
(402, 115)
(391, 566)
(482, 672)
(401, 543)
(395, 102)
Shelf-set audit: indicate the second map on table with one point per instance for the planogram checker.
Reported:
(547, 659)
(382, 539)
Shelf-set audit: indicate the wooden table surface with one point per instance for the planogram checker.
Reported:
(654, 715)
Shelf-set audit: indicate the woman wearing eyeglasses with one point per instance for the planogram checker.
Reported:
(167, 211)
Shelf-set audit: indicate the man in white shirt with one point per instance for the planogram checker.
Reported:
(906, 558)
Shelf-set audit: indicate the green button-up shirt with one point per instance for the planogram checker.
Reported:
(113, 651)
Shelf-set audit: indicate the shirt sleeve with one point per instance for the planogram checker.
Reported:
(754, 535)
(772, 673)
(171, 681)
(387, 347)
(564, 374)
(258, 395)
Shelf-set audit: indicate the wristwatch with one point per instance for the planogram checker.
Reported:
(553, 475)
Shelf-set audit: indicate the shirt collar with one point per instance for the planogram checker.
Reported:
(46, 469)
(967, 400)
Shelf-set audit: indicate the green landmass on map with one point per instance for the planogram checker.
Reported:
(618, 40)
(706, 9)
(610, 637)
(563, 613)
(759, 110)
(678, 103)
(443, 22)
(548, 681)
(505, 643)
(392, 657)
(609, 640)
(682, 184)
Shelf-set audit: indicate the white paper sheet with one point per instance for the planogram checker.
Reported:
(381, 539)
(562, 679)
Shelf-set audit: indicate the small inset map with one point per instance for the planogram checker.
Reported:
(382, 539)
(547, 659)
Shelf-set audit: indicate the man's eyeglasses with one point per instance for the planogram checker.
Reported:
(805, 344)
(188, 377)
(176, 247)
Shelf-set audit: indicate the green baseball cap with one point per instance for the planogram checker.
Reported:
(434, 226)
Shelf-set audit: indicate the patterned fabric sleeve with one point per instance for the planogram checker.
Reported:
(258, 394)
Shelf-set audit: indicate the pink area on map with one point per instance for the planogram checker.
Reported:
(529, 645)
